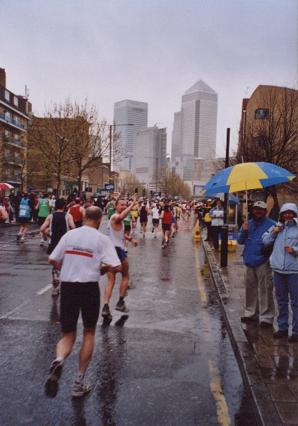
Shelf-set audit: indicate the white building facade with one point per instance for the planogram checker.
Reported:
(129, 117)
(194, 130)
(151, 157)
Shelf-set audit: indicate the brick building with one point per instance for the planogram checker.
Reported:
(269, 131)
(15, 112)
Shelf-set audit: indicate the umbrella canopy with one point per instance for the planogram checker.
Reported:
(245, 176)
(4, 186)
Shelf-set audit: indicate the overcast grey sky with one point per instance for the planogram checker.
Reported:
(148, 50)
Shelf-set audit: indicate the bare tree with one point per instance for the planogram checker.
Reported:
(130, 184)
(50, 139)
(70, 140)
(273, 137)
(173, 185)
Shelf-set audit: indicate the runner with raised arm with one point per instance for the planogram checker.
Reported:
(117, 236)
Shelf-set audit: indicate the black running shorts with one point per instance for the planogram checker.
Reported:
(75, 298)
(121, 254)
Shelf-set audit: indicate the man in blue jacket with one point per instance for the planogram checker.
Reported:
(259, 305)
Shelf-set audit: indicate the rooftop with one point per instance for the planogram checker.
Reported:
(200, 86)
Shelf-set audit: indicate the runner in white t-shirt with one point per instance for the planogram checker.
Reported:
(155, 219)
(82, 254)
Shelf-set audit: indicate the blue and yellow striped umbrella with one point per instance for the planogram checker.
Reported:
(246, 176)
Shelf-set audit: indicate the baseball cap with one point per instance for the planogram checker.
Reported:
(260, 204)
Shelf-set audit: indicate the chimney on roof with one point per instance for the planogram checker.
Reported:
(2, 77)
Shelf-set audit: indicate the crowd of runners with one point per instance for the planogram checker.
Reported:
(79, 253)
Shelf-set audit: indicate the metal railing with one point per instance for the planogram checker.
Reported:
(12, 121)
(12, 159)
(14, 142)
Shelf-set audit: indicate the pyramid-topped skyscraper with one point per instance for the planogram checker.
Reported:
(199, 86)
(194, 131)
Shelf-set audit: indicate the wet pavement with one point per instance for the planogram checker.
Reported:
(269, 366)
(170, 363)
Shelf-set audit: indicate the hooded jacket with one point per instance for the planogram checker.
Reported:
(252, 240)
(280, 260)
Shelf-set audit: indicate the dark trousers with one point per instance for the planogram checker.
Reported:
(209, 231)
(216, 232)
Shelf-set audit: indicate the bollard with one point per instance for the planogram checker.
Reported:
(196, 235)
(224, 246)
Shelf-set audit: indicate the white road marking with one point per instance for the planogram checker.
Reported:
(44, 290)
(15, 309)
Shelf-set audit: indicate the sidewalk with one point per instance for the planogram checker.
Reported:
(269, 367)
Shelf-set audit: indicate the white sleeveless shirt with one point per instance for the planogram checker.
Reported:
(117, 237)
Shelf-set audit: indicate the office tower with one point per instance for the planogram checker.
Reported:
(150, 156)
(194, 132)
(176, 136)
(129, 117)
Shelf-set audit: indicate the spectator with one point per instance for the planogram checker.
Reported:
(3, 214)
(217, 221)
(284, 262)
(259, 305)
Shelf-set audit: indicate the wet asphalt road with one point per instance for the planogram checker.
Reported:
(170, 363)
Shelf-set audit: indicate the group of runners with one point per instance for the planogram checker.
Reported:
(79, 253)
(82, 255)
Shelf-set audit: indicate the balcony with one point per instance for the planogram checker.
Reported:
(12, 122)
(15, 161)
(12, 178)
(14, 142)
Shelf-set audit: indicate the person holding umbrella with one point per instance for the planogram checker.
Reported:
(259, 305)
(284, 262)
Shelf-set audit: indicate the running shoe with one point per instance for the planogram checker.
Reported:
(22, 238)
(105, 313)
(55, 291)
(41, 243)
(80, 389)
(121, 306)
(52, 385)
(18, 237)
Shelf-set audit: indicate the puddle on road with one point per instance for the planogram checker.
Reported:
(240, 407)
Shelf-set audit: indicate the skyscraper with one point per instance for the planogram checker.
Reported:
(151, 156)
(130, 117)
(194, 132)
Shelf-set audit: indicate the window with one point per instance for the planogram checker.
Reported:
(7, 95)
(261, 113)
(16, 101)
(7, 115)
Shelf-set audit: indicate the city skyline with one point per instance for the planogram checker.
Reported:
(119, 50)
